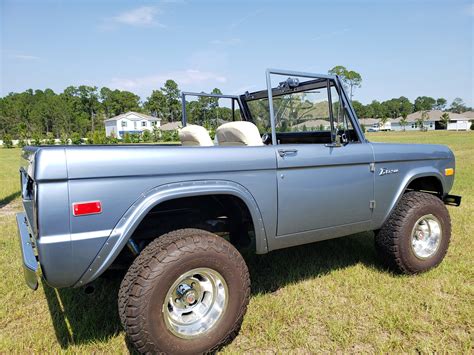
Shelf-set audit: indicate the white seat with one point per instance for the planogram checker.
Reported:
(239, 133)
(195, 135)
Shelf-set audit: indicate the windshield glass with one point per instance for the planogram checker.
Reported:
(297, 109)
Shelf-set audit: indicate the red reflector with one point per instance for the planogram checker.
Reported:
(84, 208)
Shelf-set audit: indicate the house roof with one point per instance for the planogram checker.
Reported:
(171, 126)
(468, 114)
(368, 121)
(433, 115)
(129, 115)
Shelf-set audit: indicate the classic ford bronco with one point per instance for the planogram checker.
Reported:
(292, 166)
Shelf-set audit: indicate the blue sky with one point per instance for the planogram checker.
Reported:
(400, 47)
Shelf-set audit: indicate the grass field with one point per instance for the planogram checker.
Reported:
(328, 296)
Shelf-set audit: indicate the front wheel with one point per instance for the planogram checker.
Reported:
(186, 292)
(416, 236)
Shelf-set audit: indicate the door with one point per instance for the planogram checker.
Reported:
(321, 187)
(325, 182)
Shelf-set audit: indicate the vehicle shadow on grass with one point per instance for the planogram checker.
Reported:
(81, 318)
(7, 199)
(272, 271)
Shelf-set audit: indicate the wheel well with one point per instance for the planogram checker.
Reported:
(426, 183)
(224, 215)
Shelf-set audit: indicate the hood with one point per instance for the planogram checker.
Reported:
(407, 152)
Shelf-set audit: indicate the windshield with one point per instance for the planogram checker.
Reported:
(300, 109)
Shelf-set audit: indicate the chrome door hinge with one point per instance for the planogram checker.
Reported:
(372, 167)
(372, 204)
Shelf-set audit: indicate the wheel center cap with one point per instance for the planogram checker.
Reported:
(190, 297)
(421, 235)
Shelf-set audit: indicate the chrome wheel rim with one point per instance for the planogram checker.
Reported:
(195, 303)
(426, 236)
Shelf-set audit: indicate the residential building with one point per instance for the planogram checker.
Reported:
(171, 126)
(433, 121)
(130, 122)
(374, 124)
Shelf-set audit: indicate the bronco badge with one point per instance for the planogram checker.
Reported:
(385, 171)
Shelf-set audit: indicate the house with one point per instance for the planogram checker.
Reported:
(374, 124)
(171, 126)
(433, 121)
(130, 122)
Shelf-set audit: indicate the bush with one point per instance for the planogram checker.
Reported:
(98, 137)
(135, 138)
(126, 138)
(7, 141)
(76, 138)
(169, 136)
(37, 139)
(22, 143)
(112, 140)
(50, 139)
(472, 125)
(64, 139)
(147, 136)
(156, 134)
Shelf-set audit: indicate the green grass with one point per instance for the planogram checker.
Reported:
(328, 296)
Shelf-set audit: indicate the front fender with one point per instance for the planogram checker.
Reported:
(389, 193)
(147, 201)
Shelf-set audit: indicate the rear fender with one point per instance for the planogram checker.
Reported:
(147, 201)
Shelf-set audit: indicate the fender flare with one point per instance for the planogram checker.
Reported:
(409, 177)
(127, 224)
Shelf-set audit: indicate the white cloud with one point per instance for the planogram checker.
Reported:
(144, 16)
(189, 77)
(226, 42)
(25, 57)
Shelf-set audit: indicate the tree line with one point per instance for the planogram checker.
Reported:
(80, 111)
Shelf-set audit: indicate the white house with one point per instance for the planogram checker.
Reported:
(433, 121)
(374, 124)
(130, 122)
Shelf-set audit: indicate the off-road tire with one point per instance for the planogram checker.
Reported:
(152, 273)
(393, 241)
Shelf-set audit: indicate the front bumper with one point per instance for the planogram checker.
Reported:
(30, 263)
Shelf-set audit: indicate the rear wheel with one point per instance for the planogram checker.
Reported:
(416, 236)
(186, 292)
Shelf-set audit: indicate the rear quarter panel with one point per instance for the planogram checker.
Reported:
(119, 176)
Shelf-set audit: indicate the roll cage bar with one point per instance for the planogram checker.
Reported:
(320, 81)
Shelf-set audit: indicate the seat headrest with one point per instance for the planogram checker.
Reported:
(238, 133)
(195, 135)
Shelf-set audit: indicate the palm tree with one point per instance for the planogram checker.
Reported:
(445, 119)
(403, 121)
(383, 121)
(420, 121)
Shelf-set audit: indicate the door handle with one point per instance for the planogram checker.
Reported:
(285, 152)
